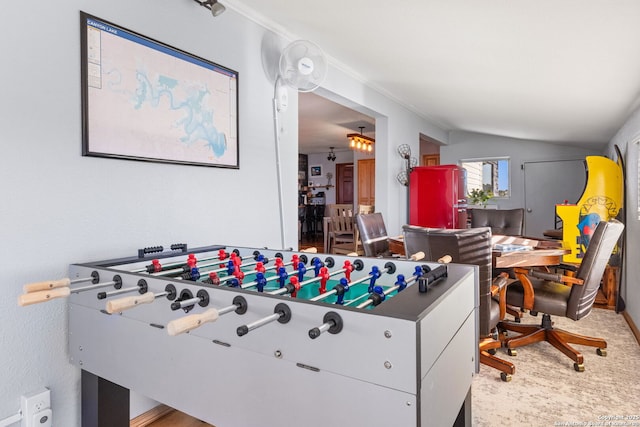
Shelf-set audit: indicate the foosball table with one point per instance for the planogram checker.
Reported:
(240, 336)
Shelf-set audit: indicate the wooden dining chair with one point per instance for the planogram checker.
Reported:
(342, 233)
(365, 209)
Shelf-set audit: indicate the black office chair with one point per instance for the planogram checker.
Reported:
(508, 222)
(469, 246)
(550, 296)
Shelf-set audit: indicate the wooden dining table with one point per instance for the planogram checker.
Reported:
(531, 253)
(526, 252)
(511, 252)
(396, 245)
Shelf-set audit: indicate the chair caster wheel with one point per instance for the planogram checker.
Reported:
(578, 367)
(512, 352)
(505, 377)
(601, 352)
(492, 351)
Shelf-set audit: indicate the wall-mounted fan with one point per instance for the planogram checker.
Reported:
(303, 66)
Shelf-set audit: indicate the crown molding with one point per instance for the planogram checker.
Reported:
(269, 24)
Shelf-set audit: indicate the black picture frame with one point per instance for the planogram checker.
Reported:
(145, 100)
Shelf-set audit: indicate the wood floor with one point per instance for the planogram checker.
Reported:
(165, 416)
(311, 241)
(178, 419)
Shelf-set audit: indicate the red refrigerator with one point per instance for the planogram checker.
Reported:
(437, 196)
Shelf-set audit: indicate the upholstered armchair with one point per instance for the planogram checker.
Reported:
(509, 222)
(469, 246)
(568, 295)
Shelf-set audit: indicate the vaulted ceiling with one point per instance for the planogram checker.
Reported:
(562, 71)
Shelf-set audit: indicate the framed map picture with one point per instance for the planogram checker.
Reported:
(145, 100)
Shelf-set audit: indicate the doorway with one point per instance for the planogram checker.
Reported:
(547, 184)
(323, 125)
(430, 159)
(429, 151)
(344, 183)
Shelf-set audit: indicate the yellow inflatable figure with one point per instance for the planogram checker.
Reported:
(601, 200)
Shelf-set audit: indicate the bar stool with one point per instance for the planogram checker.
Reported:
(301, 220)
(309, 215)
(319, 218)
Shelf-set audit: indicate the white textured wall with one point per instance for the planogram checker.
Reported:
(327, 166)
(627, 139)
(395, 125)
(466, 145)
(59, 208)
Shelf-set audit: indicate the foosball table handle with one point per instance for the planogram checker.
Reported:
(446, 259)
(188, 323)
(43, 286)
(417, 256)
(42, 296)
(121, 304)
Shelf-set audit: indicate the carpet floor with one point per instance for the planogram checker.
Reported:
(547, 391)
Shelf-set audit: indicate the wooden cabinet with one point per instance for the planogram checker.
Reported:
(367, 182)
(303, 165)
(608, 292)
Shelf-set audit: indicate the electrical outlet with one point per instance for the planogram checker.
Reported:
(43, 418)
(32, 404)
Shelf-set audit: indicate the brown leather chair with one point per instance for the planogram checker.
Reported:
(373, 235)
(509, 222)
(547, 293)
(468, 246)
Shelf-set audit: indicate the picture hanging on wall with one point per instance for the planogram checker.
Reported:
(145, 100)
(316, 170)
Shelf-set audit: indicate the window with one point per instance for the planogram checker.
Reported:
(488, 175)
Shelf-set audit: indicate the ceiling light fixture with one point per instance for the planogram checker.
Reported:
(332, 156)
(214, 6)
(360, 142)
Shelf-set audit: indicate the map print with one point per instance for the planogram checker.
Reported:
(198, 121)
(149, 101)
